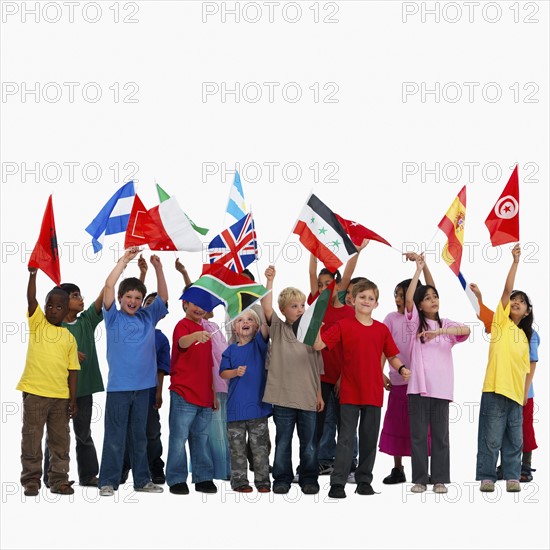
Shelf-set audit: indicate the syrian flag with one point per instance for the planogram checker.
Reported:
(307, 326)
(322, 234)
(164, 227)
(358, 232)
(503, 220)
(45, 255)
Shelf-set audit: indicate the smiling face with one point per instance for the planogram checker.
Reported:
(365, 302)
(193, 312)
(57, 307)
(519, 308)
(130, 301)
(246, 326)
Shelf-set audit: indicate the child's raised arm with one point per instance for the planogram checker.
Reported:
(350, 267)
(99, 300)
(181, 268)
(110, 282)
(267, 300)
(411, 256)
(31, 291)
(162, 287)
(409, 297)
(485, 315)
(142, 265)
(509, 284)
(313, 284)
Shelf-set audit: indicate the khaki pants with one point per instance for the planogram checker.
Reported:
(54, 414)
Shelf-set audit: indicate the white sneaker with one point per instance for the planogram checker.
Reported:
(106, 491)
(351, 478)
(149, 487)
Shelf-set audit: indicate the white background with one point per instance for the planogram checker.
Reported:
(369, 131)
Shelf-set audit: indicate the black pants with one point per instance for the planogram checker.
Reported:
(432, 412)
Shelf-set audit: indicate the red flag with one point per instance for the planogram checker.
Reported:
(45, 255)
(135, 235)
(358, 232)
(503, 220)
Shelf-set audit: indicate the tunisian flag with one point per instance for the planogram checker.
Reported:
(45, 255)
(503, 220)
(358, 232)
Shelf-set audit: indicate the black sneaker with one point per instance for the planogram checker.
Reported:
(158, 478)
(206, 487)
(179, 489)
(499, 473)
(337, 491)
(281, 488)
(310, 489)
(397, 476)
(364, 488)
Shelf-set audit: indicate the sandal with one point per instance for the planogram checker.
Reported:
(526, 473)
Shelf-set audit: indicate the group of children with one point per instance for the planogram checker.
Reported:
(222, 395)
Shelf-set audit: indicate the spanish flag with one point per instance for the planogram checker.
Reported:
(452, 225)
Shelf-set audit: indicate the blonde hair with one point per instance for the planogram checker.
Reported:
(290, 294)
(253, 314)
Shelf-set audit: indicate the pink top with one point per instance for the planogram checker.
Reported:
(219, 344)
(432, 362)
(401, 333)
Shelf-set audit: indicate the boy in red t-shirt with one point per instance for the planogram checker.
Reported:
(364, 342)
(191, 402)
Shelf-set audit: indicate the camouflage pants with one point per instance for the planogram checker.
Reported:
(258, 440)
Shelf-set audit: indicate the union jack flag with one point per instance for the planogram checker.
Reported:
(236, 246)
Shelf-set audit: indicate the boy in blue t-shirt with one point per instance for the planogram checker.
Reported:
(131, 356)
(243, 364)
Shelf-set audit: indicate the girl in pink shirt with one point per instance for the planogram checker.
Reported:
(430, 387)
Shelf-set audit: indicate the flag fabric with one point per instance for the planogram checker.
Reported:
(452, 225)
(236, 206)
(236, 247)
(322, 234)
(358, 232)
(503, 220)
(219, 285)
(307, 326)
(164, 196)
(471, 296)
(45, 255)
(113, 217)
(164, 227)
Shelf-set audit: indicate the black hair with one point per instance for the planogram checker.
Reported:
(60, 292)
(419, 295)
(355, 280)
(131, 283)
(152, 295)
(69, 288)
(404, 285)
(526, 324)
(248, 273)
(336, 275)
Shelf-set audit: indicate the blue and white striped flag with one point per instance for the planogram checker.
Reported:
(236, 206)
(113, 217)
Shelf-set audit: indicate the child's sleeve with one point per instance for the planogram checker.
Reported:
(453, 338)
(332, 336)
(157, 310)
(72, 354)
(225, 363)
(486, 317)
(534, 347)
(390, 347)
(163, 353)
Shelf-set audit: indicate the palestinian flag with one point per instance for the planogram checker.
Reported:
(219, 285)
(323, 235)
(307, 326)
(164, 227)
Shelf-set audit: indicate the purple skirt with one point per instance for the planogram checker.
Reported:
(395, 439)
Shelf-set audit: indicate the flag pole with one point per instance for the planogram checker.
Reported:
(256, 239)
(292, 230)
(431, 241)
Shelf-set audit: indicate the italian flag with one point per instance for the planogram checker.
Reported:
(164, 196)
(164, 227)
(307, 326)
(323, 235)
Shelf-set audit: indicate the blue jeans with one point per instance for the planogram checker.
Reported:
(188, 421)
(500, 429)
(217, 438)
(125, 411)
(306, 422)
